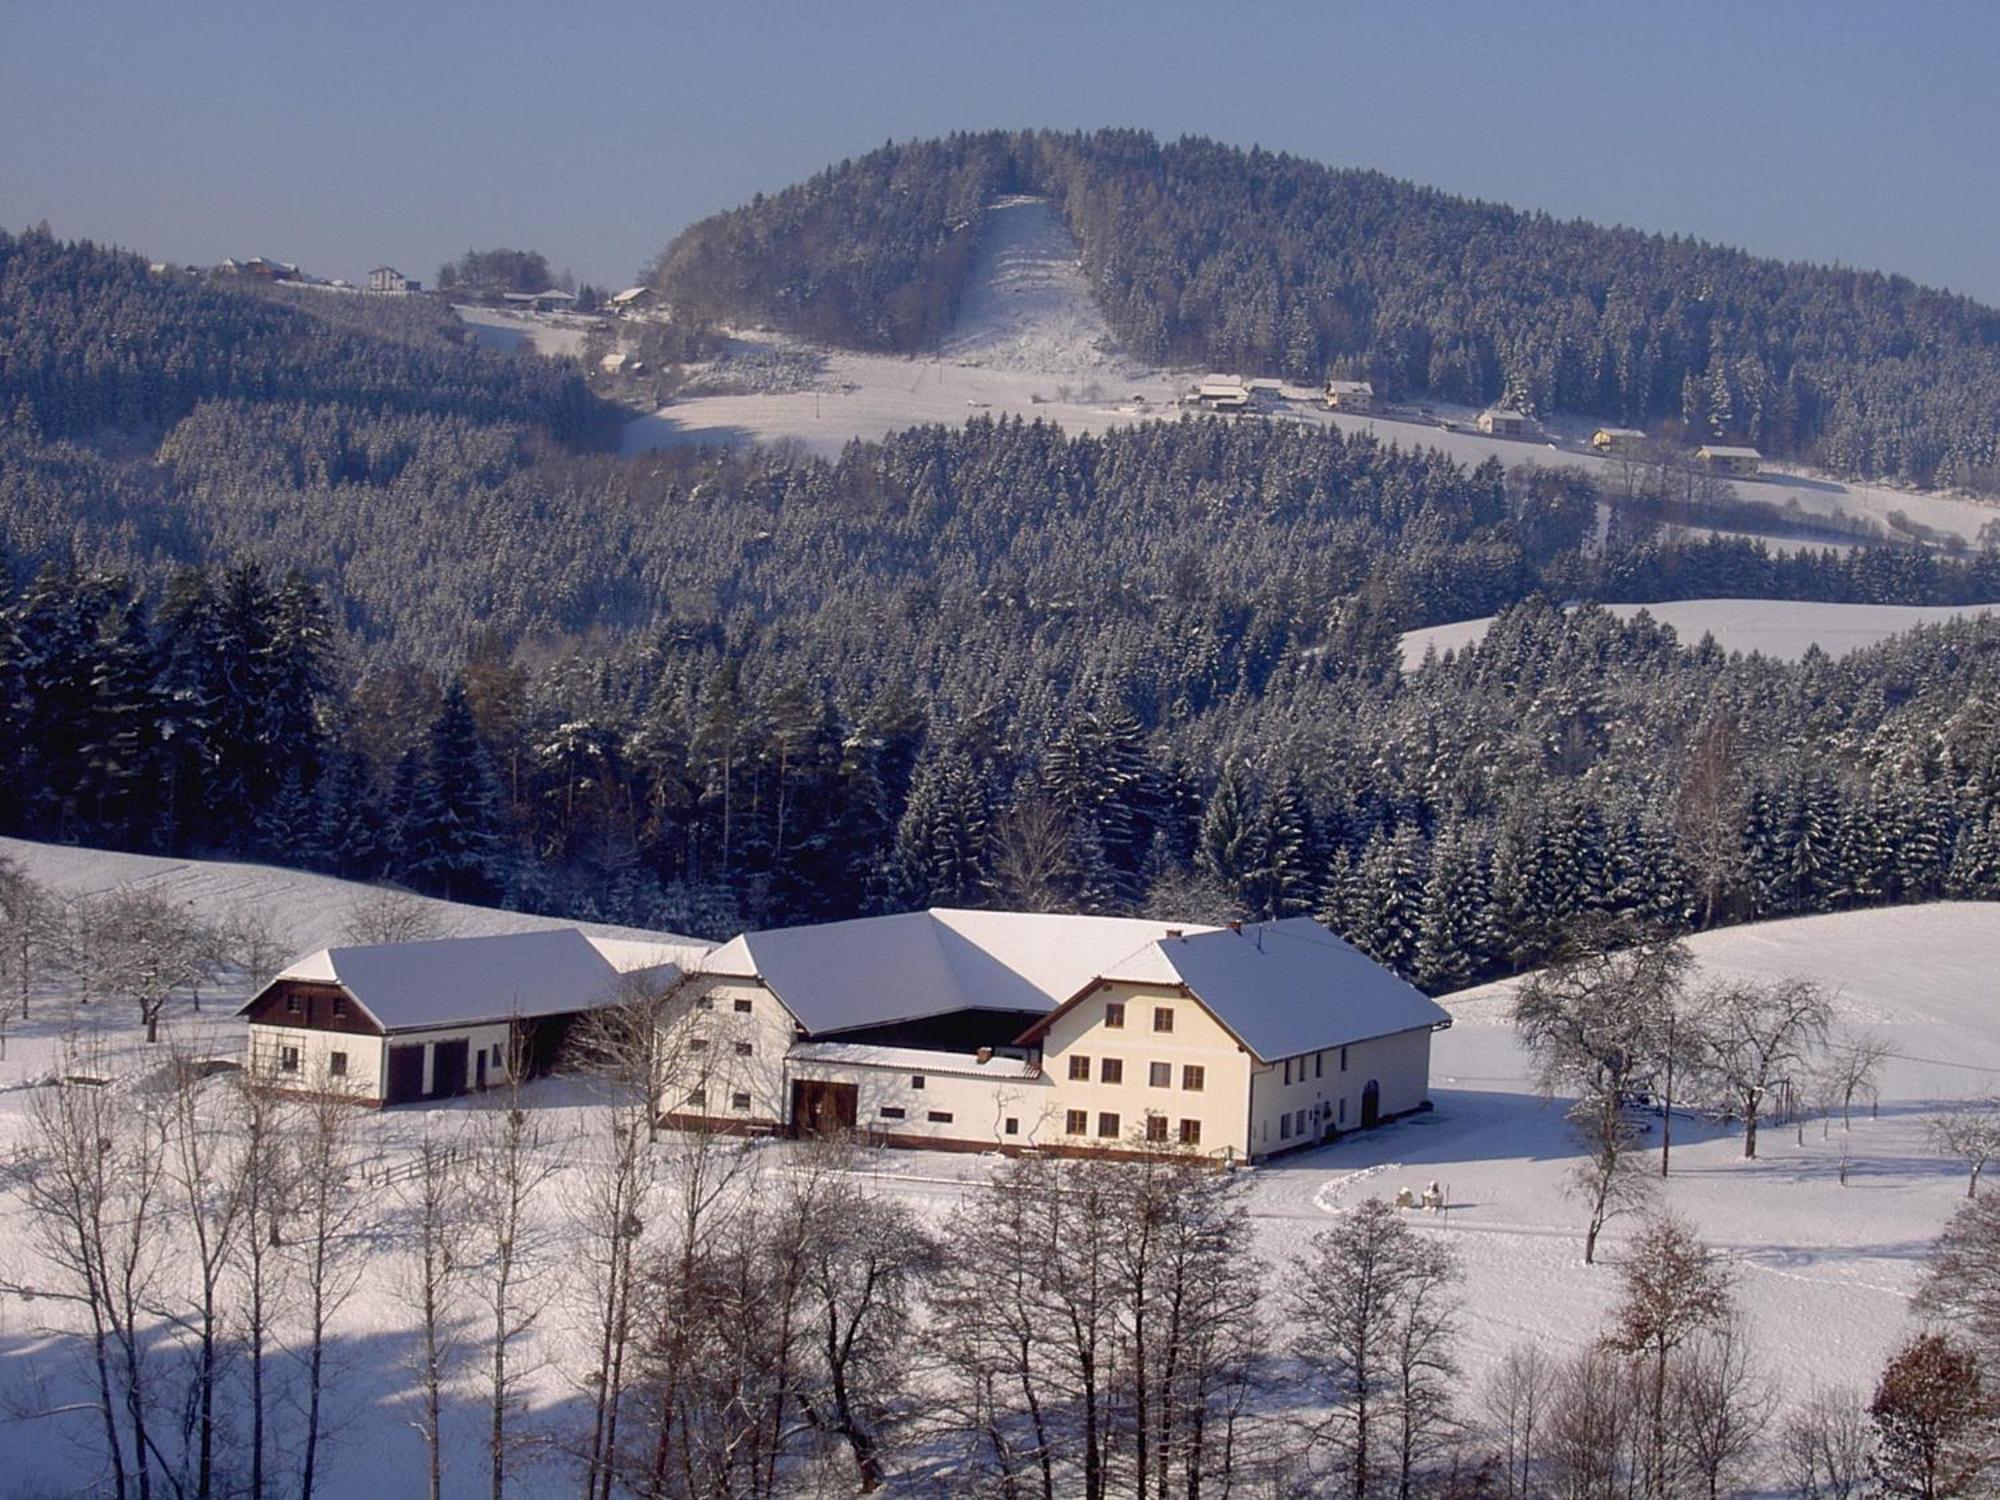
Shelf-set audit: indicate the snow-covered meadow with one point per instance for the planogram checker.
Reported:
(1822, 1270)
(1782, 629)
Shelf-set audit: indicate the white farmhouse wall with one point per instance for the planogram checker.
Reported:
(703, 1068)
(1221, 1105)
(949, 1110)
(265, 1055)
(1329, 1097)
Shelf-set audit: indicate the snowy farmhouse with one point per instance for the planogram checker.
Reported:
(1350, 395)
(1501, 422)
(1219, 392)
(1615, 442)
(389, 279)
(393, 1023)
(1721, 459)
(983, 1030)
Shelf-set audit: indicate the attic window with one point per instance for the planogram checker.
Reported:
(916, 1080)
(1163, 1018)
(339, 1007)
(704, 1002)
(292, 1006)
(1114, 1014)
(742, 1007)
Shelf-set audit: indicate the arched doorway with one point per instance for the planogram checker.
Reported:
(1371, 1105)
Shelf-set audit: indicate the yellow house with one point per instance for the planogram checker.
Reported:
(1003, 1031)
(1350, 395)
(1614, 442)
(1724, 460)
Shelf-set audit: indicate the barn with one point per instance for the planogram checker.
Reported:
(396, 1023)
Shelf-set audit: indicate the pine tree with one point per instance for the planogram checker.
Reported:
(1226, 850)
(455, 838)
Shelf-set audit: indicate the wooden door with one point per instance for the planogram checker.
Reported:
(448, 1064)
(820, 1108)
(406, 1075)
(1371, 1105)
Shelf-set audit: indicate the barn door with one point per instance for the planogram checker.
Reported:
(406, 1075)
(820, 1108)
(448, 1062)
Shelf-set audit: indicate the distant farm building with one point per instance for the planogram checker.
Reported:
(1500, 422)
(632, 299)
(1223, 392)
(983, 1030)
(394, 1023)
(551, 299)
(1266, 389)
(389, 279)
(1616, 442)
(1724, 460)
(1350, 395)
(261, 269)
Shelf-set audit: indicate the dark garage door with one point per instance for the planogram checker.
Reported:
(406, 1075)
(448, 1061)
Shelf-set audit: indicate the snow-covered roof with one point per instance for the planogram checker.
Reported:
(838, 976)
(912, 1060)
(1719, 450)
(1619, 432)
(630, 294)
(1283, 987)
(1351, 387)
(461, 981)
(1502, 414)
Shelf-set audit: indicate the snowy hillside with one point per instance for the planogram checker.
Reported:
(1779, 628)
(306, 911)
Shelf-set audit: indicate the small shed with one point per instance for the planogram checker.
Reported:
(1498, 421)
(1726, 460)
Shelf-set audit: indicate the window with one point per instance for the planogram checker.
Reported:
(1112, 1070)
(1079, 1069)
(1075, 1122)
(1193, 1076)
(1319, 1065)
(1107, 1125)
(292, 1007)
(1190, 1132)
(1114, 1014)
(340, 1007)
(916, 1080)
(697, 1044)
(698, 1098)
(496, 1054)
(940, 1117)
(288, 1059)
(1288, 1071)
(704, 1002)
(1343, 1059)
(1156, 1127)
(1013, 1126)
(1284, 1127)
(336, 1064)
(892, 1111)
(742, 1007)
(744, 1049)
(1343, 1111)
(1161, 1076)
(740, 1102)
(1163, 1018)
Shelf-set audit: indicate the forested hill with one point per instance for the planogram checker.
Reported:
(1204, 254)
(92, 342)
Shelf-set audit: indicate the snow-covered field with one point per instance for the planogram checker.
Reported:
(1822, 1270)
(1779, 628)
(553, 334)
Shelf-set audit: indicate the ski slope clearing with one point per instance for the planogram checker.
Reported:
(1778, 628)
(1029, 341)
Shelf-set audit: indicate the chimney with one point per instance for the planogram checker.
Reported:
(983, 1055)
(1236, 925)
(1173, 932)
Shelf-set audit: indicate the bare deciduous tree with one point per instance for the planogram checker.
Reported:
(144, 948)
(1760, 1034)
(388, 915)
(1962, 1283)
(434, 1202)
(1969, 1133)
(1516, 1402)
(324, 1247)
(1824, 1447)
(1719, 1405)
(26, 914)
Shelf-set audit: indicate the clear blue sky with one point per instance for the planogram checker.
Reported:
(343, 135)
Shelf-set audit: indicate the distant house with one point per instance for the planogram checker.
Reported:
(261, 269)
(1350, 395)
(1223, 392)
(393, 1023)
(549, 299)
(1266, 389)
(632, 299)
(985, 1030)
(389, 279)
(1500, 422)
(1725, 460)
(1614, 442)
